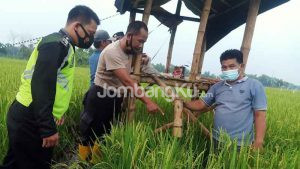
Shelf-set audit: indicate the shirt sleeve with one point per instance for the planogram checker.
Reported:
(149, 69)
(209, 97)
(259, 99)
(113, 62)
(43, 86)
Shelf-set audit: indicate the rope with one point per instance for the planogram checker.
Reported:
(154, 28)
(164, 42)
(34, 40)
(116, 14)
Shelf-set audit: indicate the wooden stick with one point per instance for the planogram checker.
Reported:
(200, 36)
(194, 119)
(249, 30)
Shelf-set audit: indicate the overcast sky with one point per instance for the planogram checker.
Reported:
(275, 46)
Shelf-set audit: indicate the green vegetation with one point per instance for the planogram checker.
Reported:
(134, 145)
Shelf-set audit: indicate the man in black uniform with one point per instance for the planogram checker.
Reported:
(45, 92)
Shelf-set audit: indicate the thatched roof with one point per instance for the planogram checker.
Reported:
(225, 15)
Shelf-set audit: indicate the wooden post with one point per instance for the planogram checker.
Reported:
(172, 38)
(137, 61)
(203, 50)
(200, 37)
(177, 126)
(132, 16)
(249, 29)
(147, 11)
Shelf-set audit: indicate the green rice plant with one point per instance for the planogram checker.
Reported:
(135, 145)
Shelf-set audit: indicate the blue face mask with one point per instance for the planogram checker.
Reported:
(230, 75)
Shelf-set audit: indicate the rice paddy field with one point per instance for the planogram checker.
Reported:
(135, 145)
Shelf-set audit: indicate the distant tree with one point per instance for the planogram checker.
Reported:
(25, 51)
(209, 75)
(159, 67)
(3, 51)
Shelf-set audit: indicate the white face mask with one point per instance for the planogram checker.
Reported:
(230, 75)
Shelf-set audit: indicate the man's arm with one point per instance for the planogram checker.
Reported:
(204, 104)
(260, 128)
(125, 78)
(43, 87)
(259, 104)
(196, 105)
(147, 66)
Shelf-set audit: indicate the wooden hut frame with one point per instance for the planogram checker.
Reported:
(201, 84)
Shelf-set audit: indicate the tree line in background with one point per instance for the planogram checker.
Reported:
(266, 80)
(82, 59)
(24, 51)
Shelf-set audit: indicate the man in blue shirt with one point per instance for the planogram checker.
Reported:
(101, 40)
(239, 103)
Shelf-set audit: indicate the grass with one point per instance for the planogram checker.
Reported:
(134, 145)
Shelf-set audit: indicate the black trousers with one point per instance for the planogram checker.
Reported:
(99, 112)
(25, 144)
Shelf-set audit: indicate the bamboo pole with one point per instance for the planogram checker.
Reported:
(203, 50)
(138, 60)
(132, 16)
(200, 37)
(177, 127)
(147, 11)
(170, 49)
(172, 38)
(249, 30)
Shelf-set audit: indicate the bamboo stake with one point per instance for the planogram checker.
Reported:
(164, 127)
(200, 37)
(177, 127)
(131, 108)
(249, 30)
(194, 119)
(178, 107)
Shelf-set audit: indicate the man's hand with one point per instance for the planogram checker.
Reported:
(50, 141)
(257, 145)
(60, 122)
(152, 107)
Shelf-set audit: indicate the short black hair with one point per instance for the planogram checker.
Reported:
(232, 54)
(83, 14)
(135, 27)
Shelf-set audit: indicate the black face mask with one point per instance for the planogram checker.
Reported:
(81, 43)
(131, 51)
